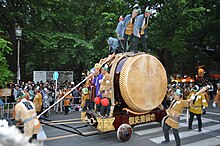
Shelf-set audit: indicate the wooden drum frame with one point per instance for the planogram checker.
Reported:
(140, 81)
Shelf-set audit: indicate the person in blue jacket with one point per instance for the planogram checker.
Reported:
(140, 29)
(113, 45)
(128, 26)
(1, 104)
(119, 29)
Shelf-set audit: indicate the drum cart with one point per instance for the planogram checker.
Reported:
(139, 85)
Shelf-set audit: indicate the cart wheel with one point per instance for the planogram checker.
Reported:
(92, 121)
(124, 132)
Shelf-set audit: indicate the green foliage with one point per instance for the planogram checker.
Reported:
(59, 49)
(181, 27)
(71, 35)
(5, 74)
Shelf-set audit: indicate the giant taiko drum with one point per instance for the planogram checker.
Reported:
(142, 81)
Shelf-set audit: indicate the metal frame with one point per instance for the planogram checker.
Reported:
(75, 129)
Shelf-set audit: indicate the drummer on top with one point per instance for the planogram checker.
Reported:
(128, 26)
(140, 28)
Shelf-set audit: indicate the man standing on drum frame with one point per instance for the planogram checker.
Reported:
(173, 115)
(106, 90)
(140, 29)
(97, 80)
(128, 26)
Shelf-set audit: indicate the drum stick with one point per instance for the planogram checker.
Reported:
(202, 90)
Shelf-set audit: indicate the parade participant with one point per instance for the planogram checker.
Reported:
(26, 93)
(106, 90)
(38, 100)
(16, 91)
(26, 113)
(85, 98)
(196, 108)
(186, 92)
(211, 90)
(169, 97)
(217, 97)
(128, 29)
(67, 99)
(119, 29)
(91, 88)
(113, 45)
(46, 102)
(136, 6)
(96, 82)
(31, 93)
(59, 94)
(205, 93)
(1, 104)
(88, 83)
(76, 98)
(76, 95)
(140, 29)
(173, 116)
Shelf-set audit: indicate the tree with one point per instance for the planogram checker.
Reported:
(182, 27)
(71, 35)
(4, 71)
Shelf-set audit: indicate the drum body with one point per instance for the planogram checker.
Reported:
(140, 82)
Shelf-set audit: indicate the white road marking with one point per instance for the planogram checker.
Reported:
(186, 134)
(210, 120)
(147, 124)
(68, 135)
(159, 129)
(149, 131)
(213, 113)
(214, 141)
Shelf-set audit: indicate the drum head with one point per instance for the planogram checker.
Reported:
(143, 82)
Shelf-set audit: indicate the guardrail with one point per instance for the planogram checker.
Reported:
(7, 110)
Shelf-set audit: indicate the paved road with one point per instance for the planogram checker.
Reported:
(144, 135)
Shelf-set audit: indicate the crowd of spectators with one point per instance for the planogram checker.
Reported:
(46, 89)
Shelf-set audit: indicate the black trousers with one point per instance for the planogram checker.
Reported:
(143, 42)
(66, 108)
(166, 129)
(105, 110)
(211, 94)
(45, 114)
(198, 118)
(38, 113)
(33, 137)
(88, 104)
(132, 48)
(98, 107)
(91, 105)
